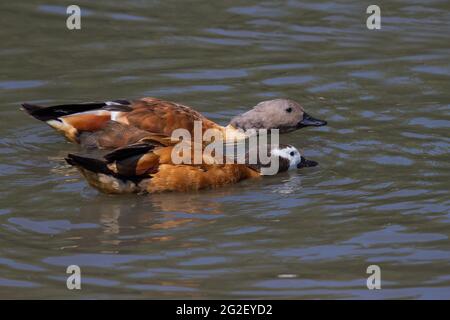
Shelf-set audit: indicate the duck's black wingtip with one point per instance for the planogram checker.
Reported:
(30, 108)
(69, 160)
(90, 164)
(129, 151)
(55, 112)
(38, 112)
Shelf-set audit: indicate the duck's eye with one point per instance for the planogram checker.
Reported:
(292, 153)
(289, 109)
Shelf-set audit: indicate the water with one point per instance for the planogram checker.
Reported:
(380, 195)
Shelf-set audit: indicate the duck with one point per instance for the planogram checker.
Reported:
(81, 122)
(148, 167)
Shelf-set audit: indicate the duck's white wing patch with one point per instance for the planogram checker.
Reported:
(113, 103)
(115, 115)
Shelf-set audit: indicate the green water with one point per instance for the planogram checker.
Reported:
(380, 195)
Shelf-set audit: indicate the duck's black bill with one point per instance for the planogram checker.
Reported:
(309, 121)
(306, 163)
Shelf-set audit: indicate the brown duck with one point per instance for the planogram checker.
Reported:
(90, 123)
(147, 167)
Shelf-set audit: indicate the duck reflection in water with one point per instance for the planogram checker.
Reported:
(154, 215)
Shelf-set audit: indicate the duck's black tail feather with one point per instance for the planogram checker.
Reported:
(54, 112)
(90, 164)
(31, 108)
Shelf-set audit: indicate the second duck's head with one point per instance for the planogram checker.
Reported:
(283, 114)
(289, 158)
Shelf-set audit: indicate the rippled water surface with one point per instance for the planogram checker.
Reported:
(380, 195)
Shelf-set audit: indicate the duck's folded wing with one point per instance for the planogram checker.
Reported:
(133, 160)
(122, 170)
(160, 116)
(116, 135)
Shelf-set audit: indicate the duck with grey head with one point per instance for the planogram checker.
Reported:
(92, 121)
(283, 114)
